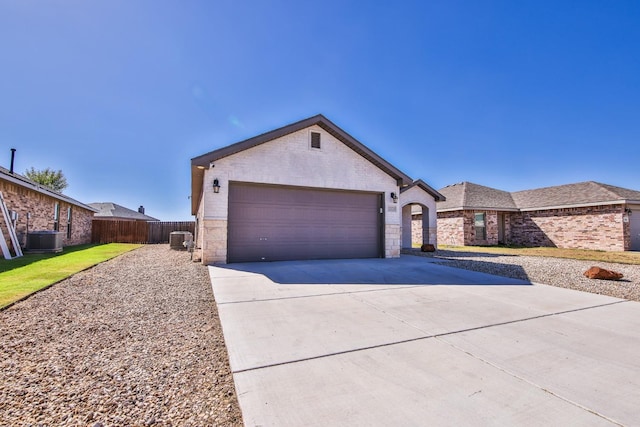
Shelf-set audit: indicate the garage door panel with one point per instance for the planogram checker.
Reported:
(634, 227)
(272, 223)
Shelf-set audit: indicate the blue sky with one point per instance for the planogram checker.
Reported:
(120, 95)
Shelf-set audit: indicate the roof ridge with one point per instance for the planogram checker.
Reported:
(464, 193)
(608, 188)
(600, 185)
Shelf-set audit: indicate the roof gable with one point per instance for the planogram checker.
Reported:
(200, 163)
(467, 195)
(424, 186)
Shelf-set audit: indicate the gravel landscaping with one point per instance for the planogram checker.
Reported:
(564, 273)
(134, 341)
(137, 341)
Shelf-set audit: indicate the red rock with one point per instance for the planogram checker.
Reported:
(427, 248)
(603, 274)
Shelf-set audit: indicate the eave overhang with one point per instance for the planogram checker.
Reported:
(200, 163)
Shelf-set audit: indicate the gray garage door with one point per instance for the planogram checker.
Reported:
(634, 227)
(278, 223)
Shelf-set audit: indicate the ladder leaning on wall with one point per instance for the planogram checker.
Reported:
(12, 233)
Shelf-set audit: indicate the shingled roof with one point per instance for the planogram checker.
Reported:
(467, 195)
(579, 194)
(113, 210)
(25, 182)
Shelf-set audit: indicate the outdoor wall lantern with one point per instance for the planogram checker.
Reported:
(628, 211)
(216, 186)
(394, 196)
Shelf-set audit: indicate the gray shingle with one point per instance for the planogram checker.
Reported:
(581, 193)
(113, 210)
(467, 195)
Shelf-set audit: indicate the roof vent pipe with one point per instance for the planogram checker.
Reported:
(141, 209)
(13, 156)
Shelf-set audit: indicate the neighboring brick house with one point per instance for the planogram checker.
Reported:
(586, 215)
(307, 190)
(39, 208)
(114, 212)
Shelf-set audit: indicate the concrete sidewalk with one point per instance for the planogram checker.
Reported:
(410, 342)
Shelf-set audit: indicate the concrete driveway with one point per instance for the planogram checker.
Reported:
(408, 342)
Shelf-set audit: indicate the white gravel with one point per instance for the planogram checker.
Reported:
(131, 342)
(564, 273)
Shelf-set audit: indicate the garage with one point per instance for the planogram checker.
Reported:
(279, 223)
(634, 227)
(305, 191)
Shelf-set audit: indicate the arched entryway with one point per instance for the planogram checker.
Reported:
(415, 226)
(419, 222)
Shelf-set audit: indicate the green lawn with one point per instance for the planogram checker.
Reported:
(23, 276)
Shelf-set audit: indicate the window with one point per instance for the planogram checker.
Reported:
(69, 216)
(56, 217)
(479, 224)
(315, 140)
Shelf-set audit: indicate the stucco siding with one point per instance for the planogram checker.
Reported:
(291, 161)
(420, 228)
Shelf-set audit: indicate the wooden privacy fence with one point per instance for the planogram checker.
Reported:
(107, 231)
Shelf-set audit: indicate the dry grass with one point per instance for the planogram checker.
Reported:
(581, 254)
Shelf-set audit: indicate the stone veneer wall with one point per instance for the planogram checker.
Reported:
(41, 207)
(594, 227)
(392, 240)
(214, 247)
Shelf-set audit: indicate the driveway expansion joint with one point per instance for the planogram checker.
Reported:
(319, 295)
(531, 383)
(443, 334)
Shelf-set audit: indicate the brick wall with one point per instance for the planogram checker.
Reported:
(451, 228)
(491, 224)
(457, 228)
(416, 230)
(41, 209)
(595, 227)
(421, 234)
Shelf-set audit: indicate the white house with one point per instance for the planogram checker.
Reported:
(307, 190)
